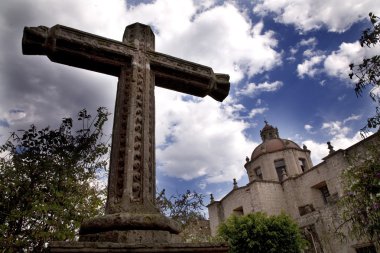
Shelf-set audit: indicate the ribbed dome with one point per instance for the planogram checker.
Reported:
(273, 145)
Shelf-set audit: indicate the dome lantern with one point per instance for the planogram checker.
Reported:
(269, 132)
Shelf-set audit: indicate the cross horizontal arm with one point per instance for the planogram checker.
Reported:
(76, 48)
(188, 77)
(88, 51)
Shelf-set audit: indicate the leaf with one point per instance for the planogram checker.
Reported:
(60, 168)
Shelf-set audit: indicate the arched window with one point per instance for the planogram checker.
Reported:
(302, 163)
(258, 173)
(280, 168)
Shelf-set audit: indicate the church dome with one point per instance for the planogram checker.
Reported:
(272, 142)
(273, 145)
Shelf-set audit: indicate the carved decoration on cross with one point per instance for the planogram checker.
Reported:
(131, 183)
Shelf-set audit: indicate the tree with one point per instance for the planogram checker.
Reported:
(361, 202)
(368, 72)
(48, 182)
(187, 210)
(259, 233)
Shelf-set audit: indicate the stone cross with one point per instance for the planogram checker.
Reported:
(131, 184)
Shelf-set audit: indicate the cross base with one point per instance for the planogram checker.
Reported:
(144, 247)
(130, 228)
(132, 237)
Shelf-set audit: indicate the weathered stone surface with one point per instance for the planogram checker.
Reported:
(129, 221)
(299, 195)
(131, 213)
(147, 247)
(132, 237)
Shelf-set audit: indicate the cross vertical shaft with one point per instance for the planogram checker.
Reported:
(131, 186)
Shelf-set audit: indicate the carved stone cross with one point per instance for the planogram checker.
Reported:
(130, 211)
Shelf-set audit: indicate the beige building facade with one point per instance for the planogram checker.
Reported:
(282, 178)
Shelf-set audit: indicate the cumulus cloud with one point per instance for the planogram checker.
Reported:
(353, 117)
(340, 137)
(41, 92)
(308, 128)
(337, 62)
(310, 66)
(253, 89)
(256, 111)
(306, 15)
(375, 91)
(202, 140)
(312, 42)
(319, 150)
(313, 61)
(309, 43)
(335, 128)
(245, 48)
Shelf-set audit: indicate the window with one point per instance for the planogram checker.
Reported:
(280, 168)
(306, 209)
(366, 249)
(238, 211)
(302, 163)
(325, 193)
(258, 173)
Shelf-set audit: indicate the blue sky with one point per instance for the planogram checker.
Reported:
(288, 63)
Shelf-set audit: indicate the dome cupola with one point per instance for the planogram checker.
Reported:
(269, 132)
(276, 159)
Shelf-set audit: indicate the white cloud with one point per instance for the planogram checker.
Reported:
(352, 118)
(244, 48)
(309, 67)
(320, 150)
(293, 51)
(195, 138)
(340, 138)
(199, 138)
(375, 91)
(337, 63)
(256, 111)
(341, 98)
(291, 58)
(306, 15)
(308, 53)
(308, 128)
(253, 89)
(202, 185)
(311, 42)
(336, 128)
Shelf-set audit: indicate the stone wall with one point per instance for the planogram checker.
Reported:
(299, 195)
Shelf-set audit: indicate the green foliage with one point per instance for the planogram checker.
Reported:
(368, 72)
(47, 182)
(183, 208)
(259, 233)
(361, 203)
(186, 209)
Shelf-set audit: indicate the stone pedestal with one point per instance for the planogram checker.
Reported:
(144, 247)
(130, 228)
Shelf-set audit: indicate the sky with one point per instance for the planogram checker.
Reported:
(287, 61)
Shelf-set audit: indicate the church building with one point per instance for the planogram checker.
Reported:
(282, 178)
